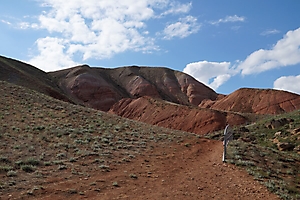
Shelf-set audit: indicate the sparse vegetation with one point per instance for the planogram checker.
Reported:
(41, 136)
(41, 132)
(28, 168)
(11, 173)
(133, 176)
(115, 184)
(256, 151)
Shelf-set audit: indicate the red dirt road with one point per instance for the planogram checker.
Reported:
(190, 171)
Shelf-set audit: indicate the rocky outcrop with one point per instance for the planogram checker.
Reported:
(170, 115)
(296, 131)
(276, 123)
(285, 146)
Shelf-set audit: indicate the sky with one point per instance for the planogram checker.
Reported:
(226, 46)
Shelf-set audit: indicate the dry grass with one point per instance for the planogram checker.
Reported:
(277, 170)
(42, 137)
(45, 141)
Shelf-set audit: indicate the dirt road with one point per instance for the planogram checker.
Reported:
(191, 171)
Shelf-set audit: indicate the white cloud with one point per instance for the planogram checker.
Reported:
(183, 28)
(176, 7)
(27, 25)
(100, 29)
(5, 22)
(20, 25)
(270, 32)
(288, 83)
(284, 53)
(51, 55)
(213, 74)
(227, 19)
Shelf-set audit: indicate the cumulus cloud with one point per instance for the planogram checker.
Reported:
(227, 19)
(284, 53)
(100, 29)
(288, 83)
(182, 28)
(213, 74)
(51, 54)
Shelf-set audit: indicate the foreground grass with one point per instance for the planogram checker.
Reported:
(43, 137)
(254, 149)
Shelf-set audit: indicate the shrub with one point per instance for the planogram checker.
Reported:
(133, 176)
(28, 168)
(115, 184)
(5, 168)
(62, 167)
(32, 161)
(11, 173)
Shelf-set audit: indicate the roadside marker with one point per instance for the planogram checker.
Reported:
(228, 136)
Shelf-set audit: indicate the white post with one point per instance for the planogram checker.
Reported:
(227, 138)
(224, 151)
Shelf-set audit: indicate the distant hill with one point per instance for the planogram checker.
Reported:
(54, 149)
(155, 95)
(101, 88)
(22, 74)
(257, 101)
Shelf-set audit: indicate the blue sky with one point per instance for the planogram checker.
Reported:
(249, 43)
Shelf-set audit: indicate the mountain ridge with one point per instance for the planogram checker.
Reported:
(125, 90)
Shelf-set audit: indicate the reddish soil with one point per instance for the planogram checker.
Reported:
(257, 101)
(122, 91)
(175, 116)
(100, 88)
(190, 171)
(151, 163)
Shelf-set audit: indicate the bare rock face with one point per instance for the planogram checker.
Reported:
(297, 149)
(100, 88)
(162, 83)
(257, 101)
(283, 146)
(86, 86)
(138, 87)
(132, 82)
(194, 90)
(296, 131)
(170, 115)
(93, 91)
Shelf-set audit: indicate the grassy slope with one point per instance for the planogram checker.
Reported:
(42, 137)
(278, 170)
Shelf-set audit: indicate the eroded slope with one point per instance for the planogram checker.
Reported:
(175, 116)
(257, 101)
